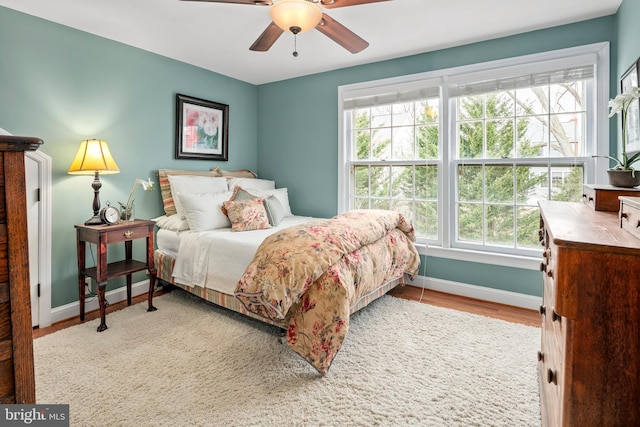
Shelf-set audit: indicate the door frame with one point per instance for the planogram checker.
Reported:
(44, 235)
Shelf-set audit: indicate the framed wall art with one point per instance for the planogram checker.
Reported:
(202, 129)
(629, 79)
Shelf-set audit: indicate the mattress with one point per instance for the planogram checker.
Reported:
(233, 251)
(168, 241)
(165, 262)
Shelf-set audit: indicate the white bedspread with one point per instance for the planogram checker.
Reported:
(217, 259)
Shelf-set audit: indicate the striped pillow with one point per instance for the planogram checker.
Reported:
(241, 173)
(165, 187)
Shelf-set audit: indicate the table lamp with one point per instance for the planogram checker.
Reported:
(94, 157)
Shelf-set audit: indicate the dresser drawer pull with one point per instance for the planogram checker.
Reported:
(624, 215)
(542, 310)
(543, 266)
(128, 234)
(550, 273)
(540, 356)
(555, 316)
(552, 377)
(541, 236)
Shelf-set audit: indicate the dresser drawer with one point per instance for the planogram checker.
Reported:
(550, 369)
(630, 215)
(605, 197)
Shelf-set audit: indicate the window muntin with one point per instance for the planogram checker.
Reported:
(515, 126)
(390, 146)
(488, 167)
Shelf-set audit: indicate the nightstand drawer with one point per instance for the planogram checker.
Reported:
(122, 234)
(630, 215)
(605, 197)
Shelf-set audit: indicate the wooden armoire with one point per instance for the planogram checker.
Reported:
(17, 384)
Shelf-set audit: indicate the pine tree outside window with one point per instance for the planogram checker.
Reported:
(467, 153)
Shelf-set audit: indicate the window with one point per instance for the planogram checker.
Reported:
(394, 155)
(467, 153)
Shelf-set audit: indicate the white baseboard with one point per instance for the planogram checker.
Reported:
(70, 310)
(478, 292)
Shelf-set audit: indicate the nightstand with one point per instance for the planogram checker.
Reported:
(102, 236)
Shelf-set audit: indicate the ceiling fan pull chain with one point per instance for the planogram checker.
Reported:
(295, 31)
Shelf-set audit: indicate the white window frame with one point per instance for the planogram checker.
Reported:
(600, 134)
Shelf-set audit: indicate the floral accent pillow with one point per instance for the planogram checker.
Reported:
(246, 215)
(238, 195)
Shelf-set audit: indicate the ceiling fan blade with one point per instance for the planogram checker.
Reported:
(267, 38)
(330, 4)
(250, 2)
(341, 34)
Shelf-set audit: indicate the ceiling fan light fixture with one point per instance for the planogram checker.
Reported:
(301, 14)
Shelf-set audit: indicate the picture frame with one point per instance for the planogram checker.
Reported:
(202, 129)
(629, 79)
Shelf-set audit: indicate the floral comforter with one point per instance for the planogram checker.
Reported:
(310, 275)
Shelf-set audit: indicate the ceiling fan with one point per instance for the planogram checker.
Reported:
(298, 16)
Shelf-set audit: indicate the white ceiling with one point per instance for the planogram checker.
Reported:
(217, 36)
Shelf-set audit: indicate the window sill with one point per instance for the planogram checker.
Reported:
(527, 263)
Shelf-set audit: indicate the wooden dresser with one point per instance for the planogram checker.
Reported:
(589, 362)
(17, 383)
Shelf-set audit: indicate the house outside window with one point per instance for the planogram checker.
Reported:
(467, 153)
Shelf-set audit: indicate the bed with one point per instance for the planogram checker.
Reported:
(234, 241)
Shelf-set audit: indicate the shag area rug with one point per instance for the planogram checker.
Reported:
(194, 364)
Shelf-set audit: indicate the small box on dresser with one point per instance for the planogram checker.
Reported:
(589, 361)
(630, 215)
(605, 197)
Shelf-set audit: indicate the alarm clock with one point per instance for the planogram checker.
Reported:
(109, 215)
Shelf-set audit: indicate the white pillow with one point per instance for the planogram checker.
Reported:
(203, 212)
(279, 193)
(194, 184)
(251, 184)
(173, 223)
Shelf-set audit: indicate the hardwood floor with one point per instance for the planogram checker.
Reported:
(440, 299)
(470, 305)
(94, 314)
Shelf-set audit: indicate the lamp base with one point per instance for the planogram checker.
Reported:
(94, 220)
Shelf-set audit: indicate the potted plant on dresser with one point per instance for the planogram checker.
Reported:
(622, 174)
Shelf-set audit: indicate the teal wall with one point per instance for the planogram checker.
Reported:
(64, 85)
(305, 127)
(628, 33)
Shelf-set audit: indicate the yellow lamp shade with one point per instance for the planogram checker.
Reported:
(288, 14)
(93, 156)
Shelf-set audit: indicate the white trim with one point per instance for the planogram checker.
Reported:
(479, 292)
(71, 310)
(366, 88)
(602, 132)
(482, 257)
(514, 299)
(44, 234)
